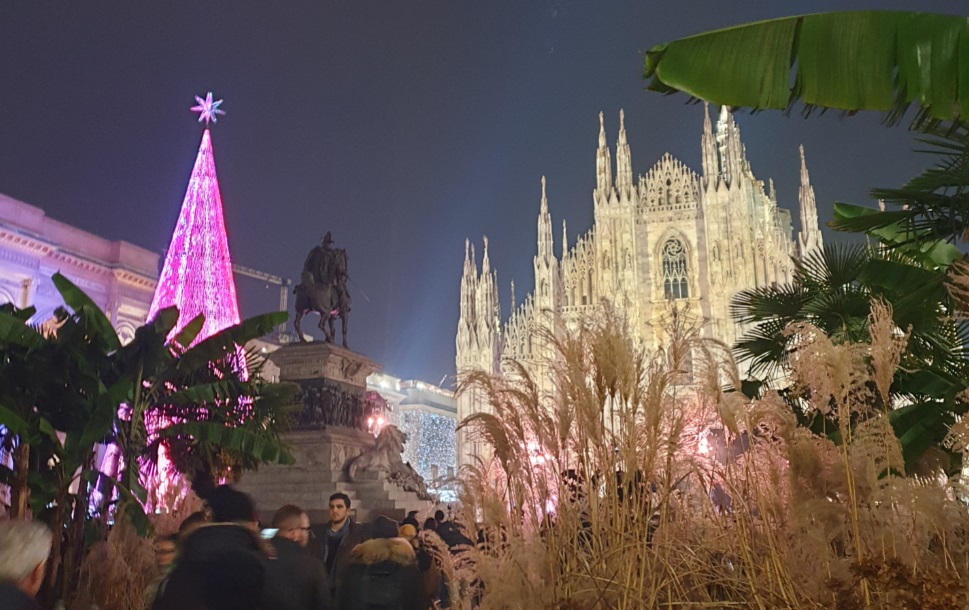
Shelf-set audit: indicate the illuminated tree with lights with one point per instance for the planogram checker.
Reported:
(197, 275)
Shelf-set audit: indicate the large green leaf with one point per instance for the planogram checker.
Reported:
(207, 393)
(259, 447)
(226, 342)
(14, 331)
(77, 300)
(191, 330)
(860, 60)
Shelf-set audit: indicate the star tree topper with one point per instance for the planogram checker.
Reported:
(208, 110)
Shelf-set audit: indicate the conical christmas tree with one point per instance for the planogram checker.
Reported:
(196, 278)
(197, 275)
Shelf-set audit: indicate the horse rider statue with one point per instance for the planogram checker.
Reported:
(323, 288)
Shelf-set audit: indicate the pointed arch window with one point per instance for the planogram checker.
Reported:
(675, 285)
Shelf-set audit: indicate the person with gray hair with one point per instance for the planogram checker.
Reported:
(24, 548)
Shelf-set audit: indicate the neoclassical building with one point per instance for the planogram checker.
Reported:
(668, 234)
(120, 277)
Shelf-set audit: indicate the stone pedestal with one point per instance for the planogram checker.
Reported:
(317, 360)
(330, 432)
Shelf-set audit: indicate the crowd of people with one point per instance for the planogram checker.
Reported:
(222, 558)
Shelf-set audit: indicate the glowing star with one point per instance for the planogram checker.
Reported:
(208, 110)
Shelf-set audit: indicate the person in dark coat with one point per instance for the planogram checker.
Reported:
(222, 565)
(24, 547)
(382, 574)
(334, 540)
(411, 519)
(294, 579)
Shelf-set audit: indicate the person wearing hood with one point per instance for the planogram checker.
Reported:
(222, 565)
(383, 573)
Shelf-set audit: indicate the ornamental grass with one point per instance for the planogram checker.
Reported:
(626, 479)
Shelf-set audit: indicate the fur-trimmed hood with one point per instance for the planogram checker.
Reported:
(395, 550)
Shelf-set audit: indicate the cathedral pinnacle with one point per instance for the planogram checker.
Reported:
(544, 198)
(485, 263)
(809, 237)
(624, 163)
(513, 296)
(805, 177)
(565, 240)
(603, 165)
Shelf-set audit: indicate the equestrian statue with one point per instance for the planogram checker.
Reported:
(323, 288)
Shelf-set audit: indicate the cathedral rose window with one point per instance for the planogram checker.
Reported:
(674, 270)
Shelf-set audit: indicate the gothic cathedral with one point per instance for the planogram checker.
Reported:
(672, 234)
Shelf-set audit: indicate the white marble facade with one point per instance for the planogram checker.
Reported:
(668, 234)
(118, 276)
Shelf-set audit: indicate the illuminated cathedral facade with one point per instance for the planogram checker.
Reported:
(670, 234)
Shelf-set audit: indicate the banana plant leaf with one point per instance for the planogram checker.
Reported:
(77, 300)
(208, 393)
(225, 342)
(14, 331)
(8, 309)
(858, 60)
(257, 446)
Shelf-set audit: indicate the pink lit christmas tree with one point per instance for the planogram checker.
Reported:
(197, 275)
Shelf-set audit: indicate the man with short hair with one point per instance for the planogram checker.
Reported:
(294, 579)
(337, 538)
(24, 547)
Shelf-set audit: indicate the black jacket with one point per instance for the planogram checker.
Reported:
(383, 575)
(295, 580)
(222, 566)
(12, 598)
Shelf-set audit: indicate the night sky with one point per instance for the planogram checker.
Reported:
(401, 126)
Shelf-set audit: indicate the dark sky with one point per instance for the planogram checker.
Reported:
(402, 126)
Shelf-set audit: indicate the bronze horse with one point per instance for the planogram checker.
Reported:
(328, 297)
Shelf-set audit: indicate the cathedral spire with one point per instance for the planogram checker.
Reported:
(708, 149)
(544, 229)
(485, 263)
(468, 289)
(565, 241)
(809, 237)
(732, 160)
(513, 304)
(603, 164)
(624, 164)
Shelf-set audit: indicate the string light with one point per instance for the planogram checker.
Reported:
(197, 275)
(431, 448)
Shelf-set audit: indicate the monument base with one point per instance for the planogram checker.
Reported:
(330, 432)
